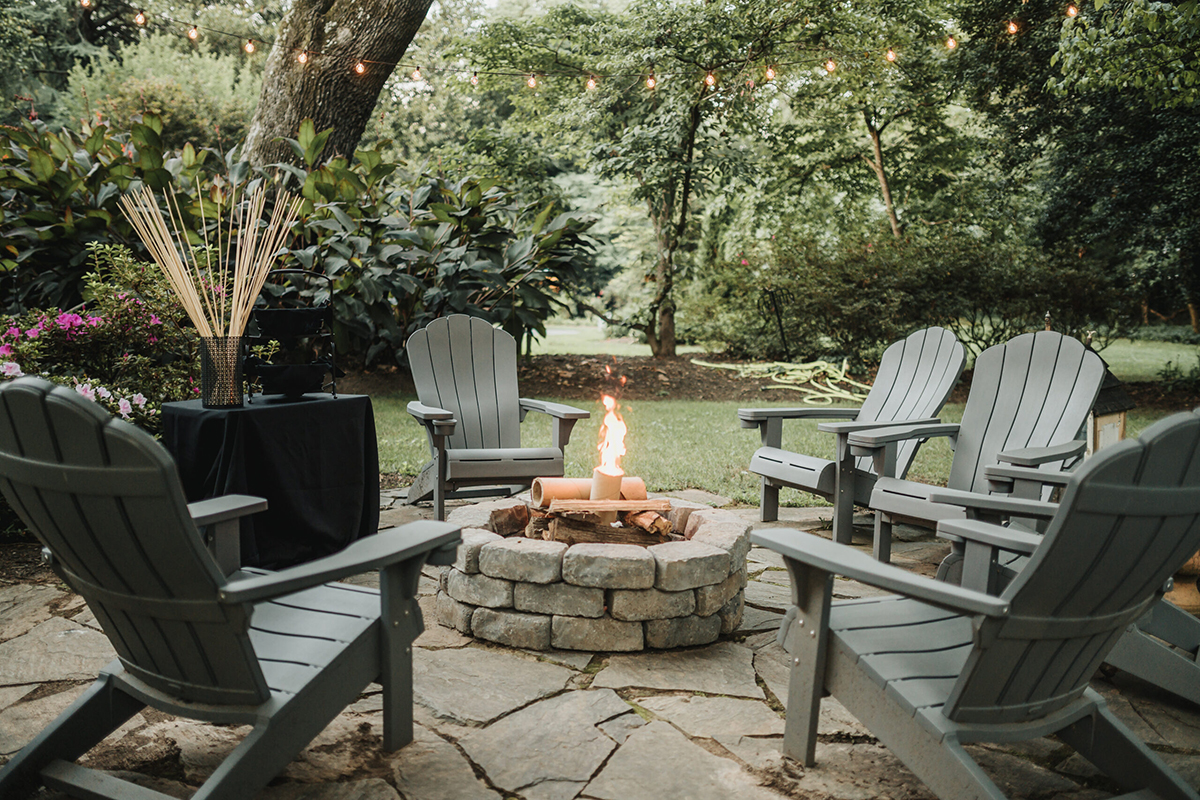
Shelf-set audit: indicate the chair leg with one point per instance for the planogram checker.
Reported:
(1152, 661)
(402, 624)
(769, 505)
(883, 537)
(1105, 741)
(98, 712)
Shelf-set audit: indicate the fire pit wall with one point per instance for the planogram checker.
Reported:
(600, 597)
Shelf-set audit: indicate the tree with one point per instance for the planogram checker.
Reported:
(1147, 47)
(659, 94)
(336, 39)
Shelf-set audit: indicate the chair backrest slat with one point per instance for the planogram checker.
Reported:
(1128, 519)
(915, 377)
(131, 551)
(1033, 391)
(466, 366)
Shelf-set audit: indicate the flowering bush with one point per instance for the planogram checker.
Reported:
(126, 348)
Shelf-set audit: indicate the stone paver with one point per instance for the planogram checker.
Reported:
(498, 682)
(24, 605)
(612, 566)
(19, 723)
(55, 650)
(724, 668)
(550, 749)
(709, 717)
(433, 769)
(521, 559)
(687, 565)
(770, 596)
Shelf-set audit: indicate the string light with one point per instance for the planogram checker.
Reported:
(531, 81)
(951, 43)
(710, 80)
(303, 57)
(249, 48)
(360, 68)
(85, 3)
(140, 18)
(193, 33)
(474, 78)
(1072, 10)
(770, 73)
(830, 65)
(591, 82)
(416, 74)
(1012, 27)
(890, 55)
(651, 81)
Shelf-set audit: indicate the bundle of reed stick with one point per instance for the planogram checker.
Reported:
(217, 293)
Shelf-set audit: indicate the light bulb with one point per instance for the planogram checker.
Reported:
(770, 73)
(651, 82)
(531, 81)
(591, 82)
(194, 33)
(360, 68)
(890, 55)
(140, 18)
(830, 65)
(303, 57)
(249, 46)
(710, 80)
(1072, 10)
(951, 43)
(85, 3)
(474, 78)
(416, 74)
(1012, 27)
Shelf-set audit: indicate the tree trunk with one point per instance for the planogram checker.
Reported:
(877, 165)
(337, 35)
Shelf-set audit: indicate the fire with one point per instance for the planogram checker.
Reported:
(612, 439)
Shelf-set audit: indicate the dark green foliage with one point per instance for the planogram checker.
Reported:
(852, 303)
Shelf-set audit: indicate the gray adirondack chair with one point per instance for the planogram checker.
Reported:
(284, 652)
(465, 372)
(1162, 647)
(938, 666)
(1029, 400)
(914, 380)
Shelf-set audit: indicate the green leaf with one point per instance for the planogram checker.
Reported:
(42, 165)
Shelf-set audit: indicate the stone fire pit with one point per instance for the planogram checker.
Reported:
(598, 597)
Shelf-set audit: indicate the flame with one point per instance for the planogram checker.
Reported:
(612, 439)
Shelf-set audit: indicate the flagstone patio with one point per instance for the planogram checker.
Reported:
(496, 722)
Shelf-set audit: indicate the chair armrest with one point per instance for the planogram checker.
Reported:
(998, 504)
(1033, 456)
(222, 509)
(854, 427)
(557, 410)
(438, 419)
(840, 559)
(416, 539)
(988, 533)
(1004, 472)
(878, 437)
(753, 417)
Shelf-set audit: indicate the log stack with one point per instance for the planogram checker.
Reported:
(561, 512)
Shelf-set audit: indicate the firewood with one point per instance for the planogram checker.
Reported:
(539, 523)
(510, 520)
(561, 506)
(575, 531)
(546, 490)
(649, 521)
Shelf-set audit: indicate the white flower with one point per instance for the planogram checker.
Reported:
(139, 400)
(86, 390)
(104, 393)
(124, 407)
(12, 369)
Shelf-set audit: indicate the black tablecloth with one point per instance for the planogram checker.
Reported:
(315, 460)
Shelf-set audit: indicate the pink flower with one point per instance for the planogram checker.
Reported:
(86, 390)
(11, 369)
(5, 349)
(139, 400)
(745, 263)
(123, 408)
(154, 320)
(67, 321)
(13, 331)
(94, 321)
(104, 393)
(32, 333)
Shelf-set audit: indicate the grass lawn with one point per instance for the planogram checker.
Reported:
(1136, 360)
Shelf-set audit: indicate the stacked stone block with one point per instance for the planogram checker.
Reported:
(541, 595)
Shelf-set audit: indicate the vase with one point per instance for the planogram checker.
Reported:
(221, 384)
